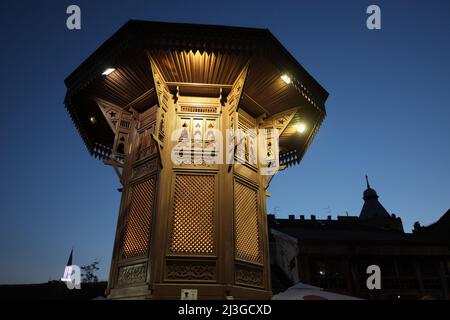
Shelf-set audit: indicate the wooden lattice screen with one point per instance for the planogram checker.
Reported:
(193, 215)
(247, 242)
(136, 237)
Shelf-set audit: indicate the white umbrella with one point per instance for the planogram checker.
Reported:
(303, 291)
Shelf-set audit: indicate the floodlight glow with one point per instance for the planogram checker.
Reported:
(286, 78)
(301, 128)
(108, 71)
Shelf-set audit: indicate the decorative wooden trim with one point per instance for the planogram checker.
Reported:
(280, 121)
(199, 109)
(250, 276)
(132, 275)
(235, 95)
(163, 95)
(178, 270)
(144, 169)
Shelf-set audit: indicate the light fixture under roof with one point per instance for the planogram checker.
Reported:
(108, 71)
(301, 127)
(286, 78)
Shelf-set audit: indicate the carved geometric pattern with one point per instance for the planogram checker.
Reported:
(247, 151)
(246, 122)
(145, 145)
(193, 214)
(247, 240)
(163, 94)
(102, 152)
(197, 141)
(290, 157)
(119, 121)
(249, 276)
(111, 112)
(199, 109)
(181, 270)
(280, 121)
(132, 274)
(137, 230)
(234, 96)
(230, 137)
(162, 125)
(143, 169)
(148, 117)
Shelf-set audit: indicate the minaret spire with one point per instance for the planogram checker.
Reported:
(367, 181)
(69, 262)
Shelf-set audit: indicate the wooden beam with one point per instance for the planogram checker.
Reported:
(257, 104)
(199, 85)
(280, 121)
(159, 146)
(116, 165)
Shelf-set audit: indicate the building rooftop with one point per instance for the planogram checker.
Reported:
(372, 208)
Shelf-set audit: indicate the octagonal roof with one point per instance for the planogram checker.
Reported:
(188, 55)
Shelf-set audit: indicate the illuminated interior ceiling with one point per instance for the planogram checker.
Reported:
(195, 60)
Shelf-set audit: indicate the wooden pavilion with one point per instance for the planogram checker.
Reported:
(194, 229)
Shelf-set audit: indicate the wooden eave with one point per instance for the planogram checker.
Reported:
(174, 46)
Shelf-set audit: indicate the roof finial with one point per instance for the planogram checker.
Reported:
(367, 181)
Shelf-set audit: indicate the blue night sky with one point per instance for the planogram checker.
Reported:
(388, 116)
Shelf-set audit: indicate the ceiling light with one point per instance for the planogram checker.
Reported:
(301, 128)
(286, 78)
(92, 120)
(108, 71)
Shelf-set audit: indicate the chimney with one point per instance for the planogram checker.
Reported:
(291, 217)
(329, 218)
(302, 217)
(313, 217)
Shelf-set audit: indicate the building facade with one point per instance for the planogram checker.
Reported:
(334, 254)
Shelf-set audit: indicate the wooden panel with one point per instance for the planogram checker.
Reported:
(247, 242)
(163, 94)
(132, 275)
(193, 215)
(251, 276)
(198, 139)
(137, 229)
(146, 145)
(190, 270)
(247, 149)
